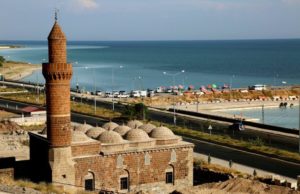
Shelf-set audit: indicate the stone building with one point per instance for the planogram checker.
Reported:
(109, 158)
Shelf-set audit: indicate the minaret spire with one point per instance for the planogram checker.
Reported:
(56, 14)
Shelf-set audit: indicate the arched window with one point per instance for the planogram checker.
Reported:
(170, 177)
(124, 180)
(89, 181)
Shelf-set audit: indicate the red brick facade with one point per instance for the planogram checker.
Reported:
(58, 74)
(107, 173)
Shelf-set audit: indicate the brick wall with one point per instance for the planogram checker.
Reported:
(57, 74)
(92, 148)
(107, 173)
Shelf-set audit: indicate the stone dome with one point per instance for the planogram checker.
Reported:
(82, 127)
(134, 124)
(147, 127)
(110, 137)
(122, 129)
(162, 133)
(136, 135)
(110, 125)
(79, 136)
(95, 132)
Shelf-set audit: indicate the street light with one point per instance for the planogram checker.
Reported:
(94, 83)
(173, 76)
(112, 86)
(230, 85)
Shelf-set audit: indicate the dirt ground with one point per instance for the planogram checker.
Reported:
(238, 186)
(4, 114)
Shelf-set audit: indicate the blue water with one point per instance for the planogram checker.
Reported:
(245, 62)
(284, 117)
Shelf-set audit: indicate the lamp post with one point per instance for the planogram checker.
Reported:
(37, 83)
(173, 77)
(94, 83)
(197, 102)
(112, 86)
(230, 85)
(299, 122)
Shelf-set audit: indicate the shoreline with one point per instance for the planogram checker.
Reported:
(2, 47)
(17, 71)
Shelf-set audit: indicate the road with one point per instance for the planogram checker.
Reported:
(256, 161)
(276, 166)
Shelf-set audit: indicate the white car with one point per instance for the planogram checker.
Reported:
(135, 94)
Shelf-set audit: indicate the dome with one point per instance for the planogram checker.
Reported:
(136, 135)
(147, 127)
(110, 137)
(122, 129)
(56, 33)
(79, 136)
(110, 125)
(134, 124)
(162, 133)
(94, 132)
(82, 127)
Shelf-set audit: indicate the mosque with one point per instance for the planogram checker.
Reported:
(115, 158)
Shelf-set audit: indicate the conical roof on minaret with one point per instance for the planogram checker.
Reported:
(56, 33)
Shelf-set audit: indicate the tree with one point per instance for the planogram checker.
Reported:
(137, 111)
(2, 60)
(141, 111)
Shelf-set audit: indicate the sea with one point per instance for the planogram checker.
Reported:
(136, 65)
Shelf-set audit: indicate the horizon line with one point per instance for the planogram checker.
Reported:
(166, 40)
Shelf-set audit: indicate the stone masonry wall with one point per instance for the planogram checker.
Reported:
(108, 169)
(86, 149)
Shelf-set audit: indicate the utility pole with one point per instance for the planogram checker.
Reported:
(263, 114)
(95, 101)
(174, 104)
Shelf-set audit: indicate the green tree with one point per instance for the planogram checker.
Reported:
(2, 60)
(137, 111)
(141, 111)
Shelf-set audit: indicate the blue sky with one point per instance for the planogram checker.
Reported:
(151, 19)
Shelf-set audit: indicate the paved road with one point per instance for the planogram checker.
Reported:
(276, 166)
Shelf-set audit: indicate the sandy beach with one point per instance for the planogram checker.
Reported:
(17, 70)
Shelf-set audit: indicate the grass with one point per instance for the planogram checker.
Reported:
(89, 109)
(32, 98)
(6, 89)
(256, 145)
(215, 167)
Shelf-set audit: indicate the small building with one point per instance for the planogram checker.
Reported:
(33, 111)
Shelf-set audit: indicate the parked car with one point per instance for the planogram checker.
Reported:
(99, 93)
(150, 93)
(108, 95)
(237, 126)
(135, 94)
(123, 94)
(143, 93)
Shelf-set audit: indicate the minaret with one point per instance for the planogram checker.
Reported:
(58, 74)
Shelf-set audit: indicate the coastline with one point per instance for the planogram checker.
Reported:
(17, 71)
(2, 47)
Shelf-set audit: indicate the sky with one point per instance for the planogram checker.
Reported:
(105, 20)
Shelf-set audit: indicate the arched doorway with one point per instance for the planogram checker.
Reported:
(89, 181)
